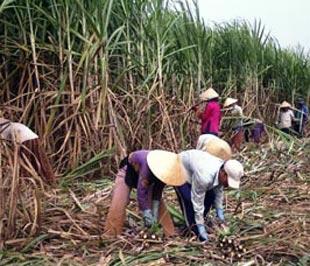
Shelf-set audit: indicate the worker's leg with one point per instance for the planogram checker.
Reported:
(209, 201)
(165, 220)
(285, 130)
(184, 197)
(117, 211)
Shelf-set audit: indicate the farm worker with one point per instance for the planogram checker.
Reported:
(211, 116)
(230, 105)
(31, 147)
(257, 130)
(149, 172)
(301, 115)
(214, 145)
(286, 117)
(208, 175)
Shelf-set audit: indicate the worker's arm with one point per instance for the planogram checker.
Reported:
(156, 197)
(143, 190)
(208, 112)
(198, 192)
(218, 202)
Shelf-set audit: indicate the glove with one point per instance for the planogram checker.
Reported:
(155, 209)
(148, 218)
(220, 214)
(203, 236)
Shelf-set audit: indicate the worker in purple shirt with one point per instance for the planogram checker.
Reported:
(148, 172)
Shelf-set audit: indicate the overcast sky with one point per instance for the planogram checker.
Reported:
(286, 20)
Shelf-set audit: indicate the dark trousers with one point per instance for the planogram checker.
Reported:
(184, 197)
(286, 130)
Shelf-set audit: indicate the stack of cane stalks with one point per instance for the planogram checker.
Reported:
(231, 248)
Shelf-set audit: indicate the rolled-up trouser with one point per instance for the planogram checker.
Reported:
(184, 197)
(117, 212)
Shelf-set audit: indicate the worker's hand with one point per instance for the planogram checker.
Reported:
(148, 218)
(203, 236)
(220, 214)
(155, 209)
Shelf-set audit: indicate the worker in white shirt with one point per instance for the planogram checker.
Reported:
(207, 177)
(286, 117)
(231, 105)
(30, 147)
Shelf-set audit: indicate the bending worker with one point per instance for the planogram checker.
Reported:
(149, 172)
(211, 116)
(31, 147)
(208, 175)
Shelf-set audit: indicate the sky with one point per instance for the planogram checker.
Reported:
(286, 20)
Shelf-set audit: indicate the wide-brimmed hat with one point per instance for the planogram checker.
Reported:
(285, 104)
(209, 94)
(167, 167)
(229, 101)
(234, 171)
(217, 147)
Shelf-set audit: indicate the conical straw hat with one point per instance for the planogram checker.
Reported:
(208, 95)
(230, 101)
(218, 147)
(167, 167)
(285, 104)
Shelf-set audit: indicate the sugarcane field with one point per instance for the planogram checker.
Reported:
(135, 133)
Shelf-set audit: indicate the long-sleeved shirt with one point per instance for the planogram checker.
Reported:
(286, 118)
(19, 131)
(146, 180)
(203, 170)
(210, 118)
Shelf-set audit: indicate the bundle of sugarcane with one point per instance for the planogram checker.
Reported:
(231, 248)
